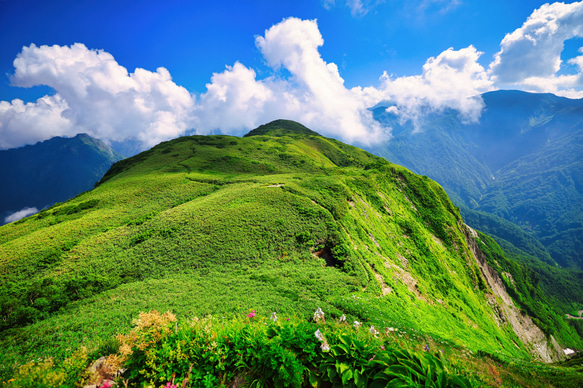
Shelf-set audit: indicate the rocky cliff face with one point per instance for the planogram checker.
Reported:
(546, 349)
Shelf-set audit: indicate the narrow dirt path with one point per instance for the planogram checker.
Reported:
(580, 312)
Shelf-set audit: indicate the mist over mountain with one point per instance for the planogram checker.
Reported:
(522, 162)
(36, 176)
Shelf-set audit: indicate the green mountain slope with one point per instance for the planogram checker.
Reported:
(51, 171)
(515, 175)
(280, 220)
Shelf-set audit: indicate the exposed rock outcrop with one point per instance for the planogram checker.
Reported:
(547, 349)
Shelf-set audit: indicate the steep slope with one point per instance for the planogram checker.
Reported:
(52, 171)
(521, 162)
(288, 223)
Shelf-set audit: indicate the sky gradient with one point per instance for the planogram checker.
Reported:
(155, 70)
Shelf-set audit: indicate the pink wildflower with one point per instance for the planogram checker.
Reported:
(170, 385)
(251, 314)
(107, 384)
(382, 347)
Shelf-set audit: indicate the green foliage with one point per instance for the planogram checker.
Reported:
(275, 353)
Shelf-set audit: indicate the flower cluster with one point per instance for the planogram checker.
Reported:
(251, 314)
(273, 317)
(325, 347)
(357, 324)
(343, 318)
(374, 331)
(319, 316)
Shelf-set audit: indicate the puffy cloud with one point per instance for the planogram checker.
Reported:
(234, 101)
(453, 79)
(314, 94)
(94, 94)
(316, 86)
(27, 211)
(28, 123)
(530, 57)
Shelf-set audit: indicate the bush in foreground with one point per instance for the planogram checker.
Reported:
(252, 351)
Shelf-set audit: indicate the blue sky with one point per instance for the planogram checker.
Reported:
(358, 52)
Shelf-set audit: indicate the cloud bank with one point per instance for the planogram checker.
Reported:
(453, 79)
(96, 95)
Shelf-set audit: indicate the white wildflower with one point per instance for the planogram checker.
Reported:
(273, 317)
(357, 324)
(319, 336)
(373, 331)
(325, 347)
(319, 315)
(343, 318)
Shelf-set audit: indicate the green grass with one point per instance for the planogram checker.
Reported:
(221, 225)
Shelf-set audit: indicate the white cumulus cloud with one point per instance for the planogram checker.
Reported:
(26, 123)
(94, 94)
(27, 211)
(453, 79)
(530, 57)
(314, 95)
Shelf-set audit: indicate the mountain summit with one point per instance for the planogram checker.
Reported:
(280, 128)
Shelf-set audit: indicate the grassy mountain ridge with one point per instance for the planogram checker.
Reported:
(223, 225)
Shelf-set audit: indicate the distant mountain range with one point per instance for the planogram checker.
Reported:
(36, 176)
(517, 174)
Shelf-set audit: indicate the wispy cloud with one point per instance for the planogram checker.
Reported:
(357, 8)
(441, 6)
(27, 211)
